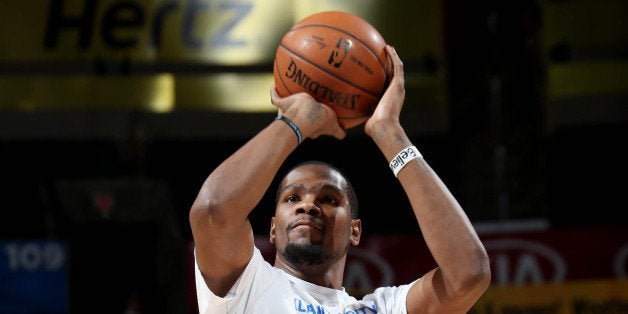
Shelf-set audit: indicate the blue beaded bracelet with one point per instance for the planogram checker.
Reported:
(294, 127)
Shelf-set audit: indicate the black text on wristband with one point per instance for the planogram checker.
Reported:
(403, 157)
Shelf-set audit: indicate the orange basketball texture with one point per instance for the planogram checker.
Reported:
(339, 59)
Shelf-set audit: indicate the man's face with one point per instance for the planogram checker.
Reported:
(312, 223)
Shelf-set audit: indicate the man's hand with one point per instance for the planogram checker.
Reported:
(384, 122)
(313, 118)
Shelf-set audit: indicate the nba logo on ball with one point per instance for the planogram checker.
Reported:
(339, 59)
(341, 51)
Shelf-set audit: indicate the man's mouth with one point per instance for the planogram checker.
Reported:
(307, 223)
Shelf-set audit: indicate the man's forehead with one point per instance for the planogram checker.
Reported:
(315, 172)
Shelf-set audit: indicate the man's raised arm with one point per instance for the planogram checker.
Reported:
(223, 237)
(463, 273)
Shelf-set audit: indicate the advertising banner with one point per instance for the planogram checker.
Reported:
(33, 277)
(224, 32)
(563, 270)
(517, 258)
(221, 32)
(165, 55)
(574, 297)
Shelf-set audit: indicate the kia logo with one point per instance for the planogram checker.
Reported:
(517, 262)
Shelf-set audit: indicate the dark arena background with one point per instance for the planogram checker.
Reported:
(112, 113)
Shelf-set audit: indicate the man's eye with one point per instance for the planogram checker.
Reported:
(328, 200)
(292, 199)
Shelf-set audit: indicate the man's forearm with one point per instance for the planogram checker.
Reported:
(235, 187)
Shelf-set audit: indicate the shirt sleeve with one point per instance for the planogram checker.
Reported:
(256, 270)
(390, 299)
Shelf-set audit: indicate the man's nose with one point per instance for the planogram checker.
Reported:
(309, 208)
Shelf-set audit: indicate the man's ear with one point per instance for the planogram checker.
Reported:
(356, 231)
(272, 230)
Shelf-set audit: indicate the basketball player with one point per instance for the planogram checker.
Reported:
(314, 227)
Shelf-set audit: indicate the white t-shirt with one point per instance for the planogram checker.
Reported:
(263, 288)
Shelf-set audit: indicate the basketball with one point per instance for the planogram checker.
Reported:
(339, 59)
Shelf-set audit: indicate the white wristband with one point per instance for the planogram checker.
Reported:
(404, 156)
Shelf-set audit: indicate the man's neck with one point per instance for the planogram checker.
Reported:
(326, 275)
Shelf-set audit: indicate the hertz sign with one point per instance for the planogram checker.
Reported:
(223, 32)
(139, 54)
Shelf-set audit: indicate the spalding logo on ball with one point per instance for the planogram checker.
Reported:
(339, 59)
